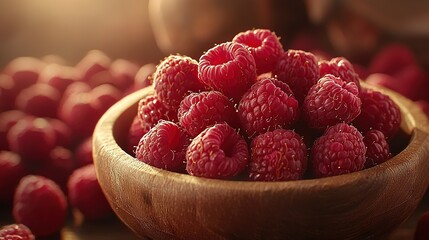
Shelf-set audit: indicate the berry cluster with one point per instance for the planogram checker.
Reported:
(250, 110)
(48, 111)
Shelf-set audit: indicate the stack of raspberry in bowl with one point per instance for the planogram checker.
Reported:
(253, 141)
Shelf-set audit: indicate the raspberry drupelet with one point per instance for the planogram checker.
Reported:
(377, 148)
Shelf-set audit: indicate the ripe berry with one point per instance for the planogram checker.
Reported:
(24, 71)
(123, 73)
(7, 93)
(299, 70)
(264, 46)
(16, 232)
(40, 204)
(164, 146)
(83, 152)
(32, 139)
(217, 152)
(11, 172)
(85, 194)
(151, 110)
(330, 101)
(279, 155)
(339, 67)
(135, 133)
(378, 111)
(59, 77)
(267, 105)
(95, 61)
(40, 100)
(7, 120)
(391, 59)
(105, 96)
(143, 77)
(338, 151)
(63, 133)
(377, 148)
(228, 68)
(176, 77)
(197, 111)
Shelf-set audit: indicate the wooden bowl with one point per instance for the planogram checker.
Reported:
(159, 204)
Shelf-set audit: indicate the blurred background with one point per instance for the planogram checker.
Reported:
(146, 30)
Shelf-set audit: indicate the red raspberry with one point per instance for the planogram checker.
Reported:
(83, 153)
(7, 93)
(11, 172)
(86, 195)
(338, 151)
(143, 77)
(280, 155)
(58, 167)
(164, 146)
(299, 70)
(40, 100)
(105, 96)
(264, 46)
(378, 112)
(32, 139)
(422, 229)
(59, 77)
(391, 59)
(339, 67)
(40, 204)
(217, 152)
(268, 105)
(151, 110)
(63, 133)
(200, 110)
(16, 232)
(331, 101)
(229, 68)
(24, 71)
(377, 148)
(123, 73)
(7, 120)
(135, 133)
(94, 62)
(175, 77)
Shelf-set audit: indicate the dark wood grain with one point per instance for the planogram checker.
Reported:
(163, 205)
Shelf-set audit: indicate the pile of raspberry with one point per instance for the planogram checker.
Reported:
(250, 110)
(48, 111)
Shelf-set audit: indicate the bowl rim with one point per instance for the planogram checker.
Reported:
(414, 123)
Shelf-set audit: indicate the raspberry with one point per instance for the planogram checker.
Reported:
(58, 166)
(151, 110)
(83, 153)
(392, 58)
(40, 204)
(16, 232)
(7, 120)
(280, 155)
(338, 151)
(264, 46)
(59, 77)
(143, 77)
(377, 148)
(94, 62)
(200, 110)
(32, 139)
(217, 152)
(339, 67)
(123, 73)
(86, 195)
(7, 93)
(175, 77)
(24, 71)
(164, 146)
(63, 133)
(105, 95)
(135, 133)
(268, 105)
(11, 172)
(299, 70)
(378, 112)
(331, 101)
(228, 68)
(422, 229)
(40, 100)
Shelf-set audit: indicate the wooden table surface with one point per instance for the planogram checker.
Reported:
(112, 228)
